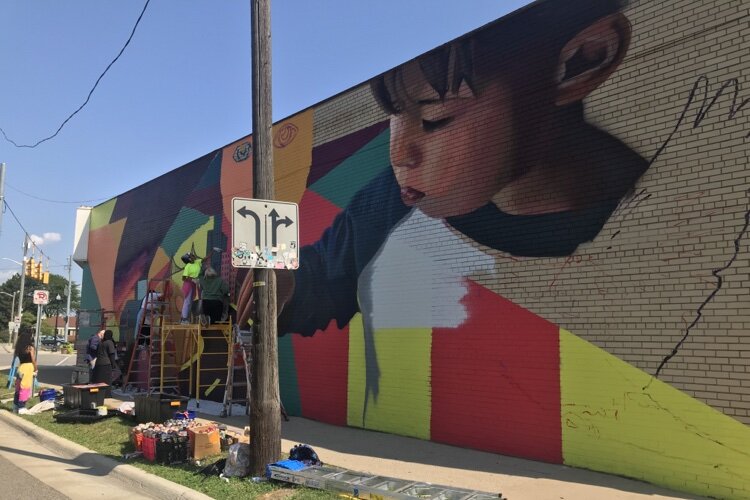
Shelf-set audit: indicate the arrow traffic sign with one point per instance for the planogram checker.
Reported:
(265, 234)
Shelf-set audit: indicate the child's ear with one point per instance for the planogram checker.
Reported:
(590, 57)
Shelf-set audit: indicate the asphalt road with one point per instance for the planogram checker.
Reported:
(18, 483)
(54, 368)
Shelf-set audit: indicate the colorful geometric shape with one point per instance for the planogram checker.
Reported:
(620, 420)
(101, 215)
(328, 156)
(495, 380)
(292, 155)
(322, 386)
(401, 403)
(315, 216)
(353, 173)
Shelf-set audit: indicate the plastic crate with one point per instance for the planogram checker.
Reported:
(174, 450)
(79, 416)
(158, 407)
(149, 448)
(84, 396)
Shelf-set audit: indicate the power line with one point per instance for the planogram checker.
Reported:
(28, 236)
(96, 84)
(77, 202)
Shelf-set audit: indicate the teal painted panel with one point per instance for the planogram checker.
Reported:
(212, 177)
(89, 302)
(187, 221)
(288, 377)
(343, 182)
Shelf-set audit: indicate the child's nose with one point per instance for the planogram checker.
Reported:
(405, 150)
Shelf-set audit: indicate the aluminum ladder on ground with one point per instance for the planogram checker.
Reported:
(361, 485)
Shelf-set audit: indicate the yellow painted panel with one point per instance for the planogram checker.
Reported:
(101, 214)
(618, 419)
(292, 155)
(398, 407)
(106, 240)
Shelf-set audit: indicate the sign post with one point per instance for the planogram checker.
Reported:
(265, 234)
(41, 298)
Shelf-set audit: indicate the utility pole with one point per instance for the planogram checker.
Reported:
(23, 282)
(68, 292)
(265, 410)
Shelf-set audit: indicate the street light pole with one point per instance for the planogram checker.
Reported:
(57, 316)
(23, 282)
(68, 293)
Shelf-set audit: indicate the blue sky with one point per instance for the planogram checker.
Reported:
(180, 89)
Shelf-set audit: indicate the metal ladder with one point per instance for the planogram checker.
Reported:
(360, 485)
(148, 355)
(242, 342)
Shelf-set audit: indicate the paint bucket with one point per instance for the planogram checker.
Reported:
(47, 394)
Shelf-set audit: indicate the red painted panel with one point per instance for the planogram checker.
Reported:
(496, 380)
(322, 370)
(315, 215)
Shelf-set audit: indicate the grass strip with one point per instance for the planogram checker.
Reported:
(111, 437)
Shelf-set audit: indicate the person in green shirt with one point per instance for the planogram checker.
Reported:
(190, 275)
(214, 295)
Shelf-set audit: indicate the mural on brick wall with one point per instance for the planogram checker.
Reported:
(494, 257)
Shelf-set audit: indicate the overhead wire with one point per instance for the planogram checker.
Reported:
(88, 97)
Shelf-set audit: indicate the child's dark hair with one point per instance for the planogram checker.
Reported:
(108, 335)
(532, 35)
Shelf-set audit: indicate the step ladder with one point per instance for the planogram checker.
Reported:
(361, 485)
(238, 377)
(152, 353)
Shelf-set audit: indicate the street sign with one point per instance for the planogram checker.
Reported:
(265, 234)
(41, 297)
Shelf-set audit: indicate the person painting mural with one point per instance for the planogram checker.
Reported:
(191, 274)
(491, 158)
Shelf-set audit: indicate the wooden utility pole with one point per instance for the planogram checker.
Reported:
(265, 412)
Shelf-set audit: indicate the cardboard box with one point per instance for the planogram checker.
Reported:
(204, 441)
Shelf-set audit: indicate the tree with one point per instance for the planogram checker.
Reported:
(57, 286)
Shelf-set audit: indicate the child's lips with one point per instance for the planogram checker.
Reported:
(410, 195)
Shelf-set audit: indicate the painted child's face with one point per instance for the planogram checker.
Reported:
(450, 155)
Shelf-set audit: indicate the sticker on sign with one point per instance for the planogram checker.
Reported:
(265, 234)
(41, 297)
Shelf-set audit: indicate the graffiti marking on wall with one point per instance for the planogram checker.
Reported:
(719, 283)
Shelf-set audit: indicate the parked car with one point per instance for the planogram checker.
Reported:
(49, 341)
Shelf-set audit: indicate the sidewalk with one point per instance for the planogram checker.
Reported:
(418, 460)
(407, 458)
(78, 472)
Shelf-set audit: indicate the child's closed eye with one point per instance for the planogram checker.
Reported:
(432, 125)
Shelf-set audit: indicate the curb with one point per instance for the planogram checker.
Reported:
(142, 482)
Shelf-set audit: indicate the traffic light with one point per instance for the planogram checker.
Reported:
(45, 277)
(29, 267)
(39, 273)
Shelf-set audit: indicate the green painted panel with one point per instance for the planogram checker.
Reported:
(343, 182)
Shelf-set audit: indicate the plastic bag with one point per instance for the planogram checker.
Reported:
(238, 460)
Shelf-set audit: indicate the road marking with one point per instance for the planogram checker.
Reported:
(61, 361)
